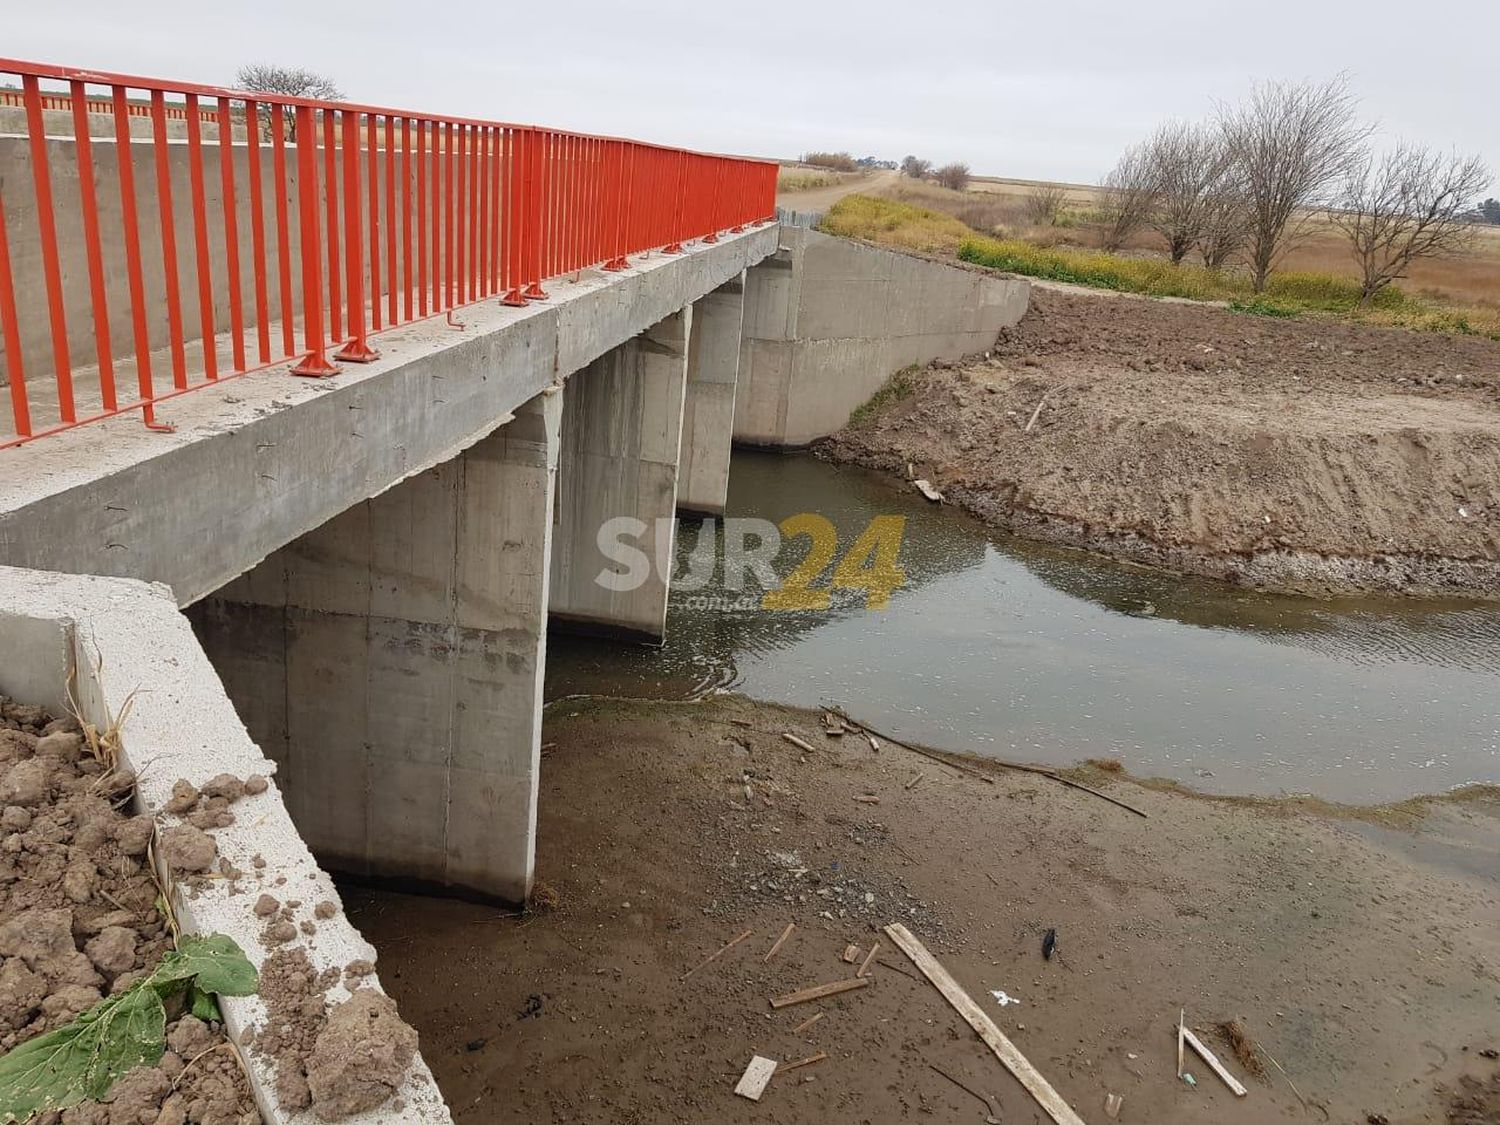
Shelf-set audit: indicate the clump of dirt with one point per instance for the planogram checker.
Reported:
(339, 1062)
(78, 921)
(1304, 456)
(1476, 1102)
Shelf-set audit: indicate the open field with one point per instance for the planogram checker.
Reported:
(1359, 949)
(1457, 295)
(997, 206)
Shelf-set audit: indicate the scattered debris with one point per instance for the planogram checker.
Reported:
(786, 933)
(807, 1023)
(1002, 998)
(864, 966)
(809, 1061)
(867, 799)
(1112, 1104)
(833, 726)
(818, 991)
(850, 954)
(715, 956)
(1213, 1063)
(992, 1111)
(799, 743)
(1181, 1017)
(757, 1076)
(1049, 944)
(926, 489)
(1037, 1086)
(1243, 1046)
(915, 781)
(1188, 1078)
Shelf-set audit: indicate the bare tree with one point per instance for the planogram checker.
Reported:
(1127, 197)
(1186, 162)
(1044, 203)
(1226, 220)
(1293, 142)
(954, 176)
(1409, 204)
(291, 81)
(915, 167)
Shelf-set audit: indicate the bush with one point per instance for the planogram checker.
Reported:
(894, 224)
(804, 181)
(954, 177)
(836, 161)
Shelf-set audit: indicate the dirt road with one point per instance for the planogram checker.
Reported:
(1363, 954)
(820, 199)
(1309, 456)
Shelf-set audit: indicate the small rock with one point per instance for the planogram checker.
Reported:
(278, 933)
(224, 785)
(361, 1057)
(183, 798)
(255, 783)
(26, 783)
(133, 836)
(185, 848)
(265, 906)
(62, 746)
(113, 950)
(325, 910)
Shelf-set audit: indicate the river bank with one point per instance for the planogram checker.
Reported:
(1360, 949)
(1301, 456)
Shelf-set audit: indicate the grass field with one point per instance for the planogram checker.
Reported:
(1451, 296)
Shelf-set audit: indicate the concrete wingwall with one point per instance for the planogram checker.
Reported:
(827, 321)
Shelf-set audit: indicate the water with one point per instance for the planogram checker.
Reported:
(1032, 653)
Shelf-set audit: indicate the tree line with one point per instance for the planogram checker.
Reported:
(954, 175)
(1249, 183)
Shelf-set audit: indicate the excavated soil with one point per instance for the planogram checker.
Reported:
(78, 921)
(1307, 456)
(1359, 949)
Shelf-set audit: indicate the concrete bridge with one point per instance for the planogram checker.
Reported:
(513, 336)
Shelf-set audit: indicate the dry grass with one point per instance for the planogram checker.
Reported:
(1319, 279)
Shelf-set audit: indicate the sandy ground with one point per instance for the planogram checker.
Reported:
(820, 199)
(1362, 952)
(1302, 455)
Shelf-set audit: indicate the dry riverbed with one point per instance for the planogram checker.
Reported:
(1359, 949)
(1300, 455)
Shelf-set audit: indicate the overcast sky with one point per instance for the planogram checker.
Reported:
(1033, 90)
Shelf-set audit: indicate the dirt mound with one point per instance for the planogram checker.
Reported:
(1295, 455)
(78, 921)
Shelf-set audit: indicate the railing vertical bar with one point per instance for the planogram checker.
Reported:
(448, 191)
(134, 274)
(258, 231)
(421, 216)
(406, 277)
(10, 334)
(481, 258)
(437, 217)
(83, 149)
(475, 211)
(390, 218)
(315, 362)
(283, 229)
(357, 348)
(170, 278)
(41, 180)
(331, 202)
(372, 167)
(231, 235)
(200, 239)
(460, 211)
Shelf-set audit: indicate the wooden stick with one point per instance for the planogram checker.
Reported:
(807, 1023)
(1213, 1063)
(818, 991)
(786, 933)
(819, 1057)
(868, 799)
(798, 743)
(717, 955)
(864, 966)
(1181, 1017)
(979, 1020)
(912, 784)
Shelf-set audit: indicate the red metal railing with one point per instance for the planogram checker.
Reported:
(306, 228)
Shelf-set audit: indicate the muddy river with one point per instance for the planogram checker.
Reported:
(998, 646)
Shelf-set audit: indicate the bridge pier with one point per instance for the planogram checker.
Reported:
(621, 442)
(391, 662)
(708, 415)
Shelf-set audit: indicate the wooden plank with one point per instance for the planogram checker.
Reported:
(807, 1023)
(786, 933)
(851, 954)
(798, 743)
(819, 1057)
(715, 956)
(1181, 1016)
(818, 991)
(1214, 1064)
(757, 1075)
(864, 966)
(1015, 1062)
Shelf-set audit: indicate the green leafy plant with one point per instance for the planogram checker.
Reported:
(1259, 306)
(83, 1059)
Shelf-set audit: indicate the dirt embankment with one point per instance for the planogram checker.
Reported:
(79, 921)
(1360, 953)
(1299, 455)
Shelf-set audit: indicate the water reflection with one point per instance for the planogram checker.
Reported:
(997, 645)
